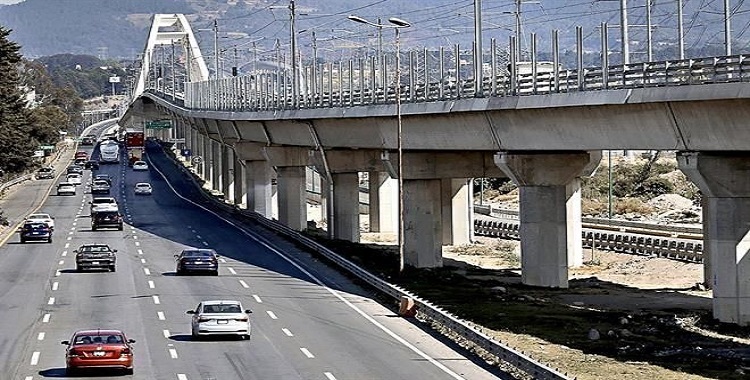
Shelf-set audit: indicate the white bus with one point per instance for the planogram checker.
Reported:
(109, 152)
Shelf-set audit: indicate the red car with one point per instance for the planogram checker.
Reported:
(82, 155)
(99, 349)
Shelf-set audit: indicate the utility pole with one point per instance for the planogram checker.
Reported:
(518, 29)
(234, 65)
(624, 33)
(727, 29)
(216, 47)
(174, 79)
(649, 42)
(255, 58)
(681, 37)
(293, 49)
(478, 72)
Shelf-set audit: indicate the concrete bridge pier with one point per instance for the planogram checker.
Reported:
(549, 202)
(291, 168)
(346, 206)
(217, 177)
(257, 177)
(208, 161)
(383, 202)
(227, 173)
(239, 190)
(724, 179)
(422, 223)
(457, 213)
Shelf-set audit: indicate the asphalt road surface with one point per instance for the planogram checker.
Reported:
(309, 322)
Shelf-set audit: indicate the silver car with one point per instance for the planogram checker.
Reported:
(220, 317)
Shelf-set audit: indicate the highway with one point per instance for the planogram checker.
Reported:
(309, 322)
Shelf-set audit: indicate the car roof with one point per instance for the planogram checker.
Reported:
(98, 332)
(73, 174)
(139, 162)
(101, 181)
(64, 184)
(220, 302)
(104, 198)
(142, 184)
(39, 215)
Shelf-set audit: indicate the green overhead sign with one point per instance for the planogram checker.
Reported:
(47, 147)
(159, 124)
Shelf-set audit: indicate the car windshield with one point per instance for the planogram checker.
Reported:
(142, 185)
(98, 339)
(103, 200)
(231, 308)
(34, 226)
(106, 214)
(64, 185)
(39, 216)
(100, 182)
(45, 170)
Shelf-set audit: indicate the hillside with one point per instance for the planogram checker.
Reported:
(118, 29)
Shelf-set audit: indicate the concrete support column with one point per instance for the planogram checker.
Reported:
(200, 149)
(292, 197)
(227, 173)
(724, 179)
(543, 180)
(346, 206)
(574, 223)
(216, 175)
(456, 211)
(422, 224)
(707, 267)
(239, 190)
(383, 202)
(208, 161)
(259, 187)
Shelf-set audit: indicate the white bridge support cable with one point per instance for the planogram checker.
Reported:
(172, 29)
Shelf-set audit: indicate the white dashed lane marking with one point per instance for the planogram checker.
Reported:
(51, 301)
(55, 285)
(40, 336)
(156, 300)
(151, 284)
(143, 261)
(271, 314)
(35, 358)
(146, 271)
(67, 245)
(166, 333)
(65, 253)
(244, 284)
(329, 376)
(221, 260)
(231, 270)
(140, 252)
(46, 317)
(160, 315)
(61, 262)
(57, 273)
(204, 243)
(287, 332)
(307, 352)
(257, 299)
(181, 376)
(173, 353)
(137, 244)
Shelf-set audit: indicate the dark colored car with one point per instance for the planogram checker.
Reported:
(98, 349)
(81, 154)
(91, 165)
(75, 169)
(88, 141)
(36, 232)
(45, 173)
(95, 256)
(197, 260)
(107, 218)
(105, 177)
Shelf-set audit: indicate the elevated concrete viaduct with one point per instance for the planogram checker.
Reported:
(544, 143)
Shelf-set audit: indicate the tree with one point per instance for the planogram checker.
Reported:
(14, 116)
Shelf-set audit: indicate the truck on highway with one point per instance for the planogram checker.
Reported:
(109, 152)
(134, 144)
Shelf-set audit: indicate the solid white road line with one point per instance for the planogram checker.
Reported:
(307, 352)
(271, 314)
(146, 271)
(40, 336)
(173, 353)
(151, 284)
(46, 317)
(287, 332)
(244, 284)
(55, 285)
(156, 300)
(231, 270)
(51, 301)
(166, 333)
(35, 358)
(257, 299)
(329, 376)
(160, 315)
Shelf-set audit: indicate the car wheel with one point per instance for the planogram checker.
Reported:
(119, 228)
(179, 272)
(93, 228)
(23, 241)
(195, 335)
(112, 268)
(70, 371)
(215, 273)
(49, 240)
(78, 268)
(128, 371)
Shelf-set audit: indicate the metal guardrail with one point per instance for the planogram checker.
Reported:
(425, 310)
(361, 83)
(14, 181)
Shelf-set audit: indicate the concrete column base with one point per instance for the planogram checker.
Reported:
(422, 224)
(548, 194)
(383, 203)
(457, 211)
(724, 179)
(259, 188)
(346, 206)
(292, 197)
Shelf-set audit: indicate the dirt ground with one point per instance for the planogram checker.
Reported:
(643, 289)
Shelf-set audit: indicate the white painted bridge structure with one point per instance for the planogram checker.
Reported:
(545, 131)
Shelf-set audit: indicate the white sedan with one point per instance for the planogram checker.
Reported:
(41, 218)
(143, 188)
(65, 188)
(220, 317)
(140, 165)
(74, 178)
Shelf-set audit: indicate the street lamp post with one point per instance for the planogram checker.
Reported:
(396, 24)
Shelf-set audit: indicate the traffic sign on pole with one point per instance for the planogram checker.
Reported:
(159, 124)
